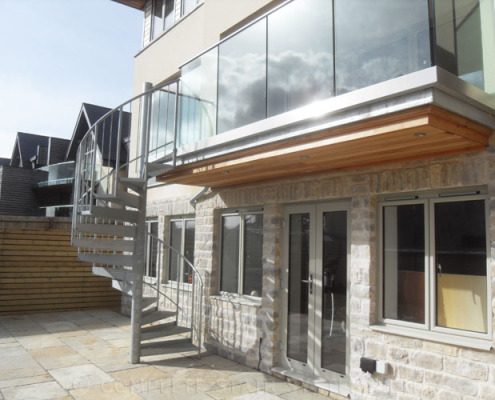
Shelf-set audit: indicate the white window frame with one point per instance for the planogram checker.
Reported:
(183, 221)
(240, 264)
(429, 330)
(147, 267)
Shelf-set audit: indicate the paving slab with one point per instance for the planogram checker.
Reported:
(57, 357)
(107, 391)
(38, 391)
(84, 355)
(257, 396)
(140, 375)
(29, 380)
(302, 394)
(39, 341)
(80, 376)
(233, 391)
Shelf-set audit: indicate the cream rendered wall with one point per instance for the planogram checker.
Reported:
(193, 34)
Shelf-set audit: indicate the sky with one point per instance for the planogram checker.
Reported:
(57, 54)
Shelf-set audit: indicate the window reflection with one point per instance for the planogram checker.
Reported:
(162, 122)
(460, 262)
(241, 78)
(300, 61)
(198, 103)
(379, 40)
(404, 262)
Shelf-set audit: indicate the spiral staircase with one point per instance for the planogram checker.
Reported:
(115, 162)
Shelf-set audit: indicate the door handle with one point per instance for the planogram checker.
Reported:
(309, 282)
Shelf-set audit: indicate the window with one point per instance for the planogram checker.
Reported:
(434, 264)
(241, 253)
(164, 14)
(152, 249)
(188, 6)
(157, 19)
(182, 253)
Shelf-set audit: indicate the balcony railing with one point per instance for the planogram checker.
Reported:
(58, 174)
(309, 50)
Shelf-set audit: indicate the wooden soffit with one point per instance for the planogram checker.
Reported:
(422, 132)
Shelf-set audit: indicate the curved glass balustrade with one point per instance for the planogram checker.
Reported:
(58, 174)
(308, 50)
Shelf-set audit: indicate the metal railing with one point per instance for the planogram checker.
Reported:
(188, 300)
(105, 155)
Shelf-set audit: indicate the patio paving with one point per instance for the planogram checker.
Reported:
(83, 355)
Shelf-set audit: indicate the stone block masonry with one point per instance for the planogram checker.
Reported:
(420, 368)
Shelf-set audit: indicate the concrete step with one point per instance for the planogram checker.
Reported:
(114, 214)
(108, 259)
(107, 229)
(105, 244)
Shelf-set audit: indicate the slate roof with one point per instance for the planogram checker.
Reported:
(4, 161)
(28, 145)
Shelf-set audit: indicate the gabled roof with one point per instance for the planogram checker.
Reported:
(88, 115)
(107, 137)
(28, 147)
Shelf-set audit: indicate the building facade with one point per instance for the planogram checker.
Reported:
(334, 185)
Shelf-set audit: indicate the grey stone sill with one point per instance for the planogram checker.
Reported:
(442, 338)
(238, 299)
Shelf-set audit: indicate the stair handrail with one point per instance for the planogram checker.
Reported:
(196, 278)
(94, 132)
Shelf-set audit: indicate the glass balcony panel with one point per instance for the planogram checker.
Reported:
(379, 40)
(162, 122)
(198, 99)
(242, 78)
(300, 61)
(58, 174)
(464, 32)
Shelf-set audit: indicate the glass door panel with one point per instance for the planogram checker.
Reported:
(334, 291)
(298, 301)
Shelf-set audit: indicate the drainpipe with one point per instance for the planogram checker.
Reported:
(198, 195)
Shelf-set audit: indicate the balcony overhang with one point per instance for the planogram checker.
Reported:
(423, 114)
(138, 4)
(422, 132)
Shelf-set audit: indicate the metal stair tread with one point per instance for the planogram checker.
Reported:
(155, 169)
(105, 244)
(108, 259)
(119, 274)
(107, 229)
(118, 214)
(134, 183)
(156, 316)
(164, 332)
(123, 198)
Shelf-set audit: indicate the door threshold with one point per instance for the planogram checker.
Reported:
(335, 390)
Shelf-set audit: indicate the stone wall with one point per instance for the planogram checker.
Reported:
(420, 369)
